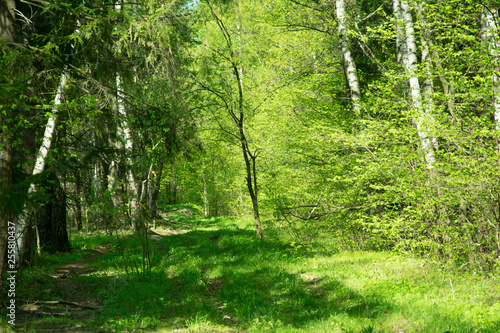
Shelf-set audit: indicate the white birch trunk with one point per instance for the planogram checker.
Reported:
(95, 185)
(428, 85)
(490, 35)
(40, 164)
(126, 137)
(350, 65)
(421, 125)
(401, 54)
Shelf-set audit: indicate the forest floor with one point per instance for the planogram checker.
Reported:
(73, 298)
(217, 277)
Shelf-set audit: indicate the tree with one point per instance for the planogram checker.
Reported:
(7, 34)
(490, 30)
(423, 117)
(235, 106)
(349, 63)
(23, 226)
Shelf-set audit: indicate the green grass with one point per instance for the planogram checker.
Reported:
(219, 277)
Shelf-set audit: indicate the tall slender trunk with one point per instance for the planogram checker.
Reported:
(145, 193)
(236, 112)
(52, 235)
(205, 190)
(250, 159)
(428, 85)
(96, 195)
(401, 51)
(22, 224)
(156, 191)
(350, 66)
(78, 202)
(490, 35)
(126, 137)
(422, 118)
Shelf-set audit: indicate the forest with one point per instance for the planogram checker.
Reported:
(241, 166)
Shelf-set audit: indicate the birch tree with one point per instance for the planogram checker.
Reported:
(401, 49)
(349, 63)
(423, 117)
(40, 162)
(428, 86)
(125, 136)
(490, 36)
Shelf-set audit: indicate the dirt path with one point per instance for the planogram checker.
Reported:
(73, 299)
(69, 300)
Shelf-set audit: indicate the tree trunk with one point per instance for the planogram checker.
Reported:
(22, 224)
(237, 114)
(205, 190)
(6, 153)
(8, 34)
(401, 53)
(251, 179)
(156, 191)
(51, 221)
(78, 202)
(250, 160)
(126, 137)
(490, 35)
(350, 66)
(422, 117)
(428, 86)
(97, 193)
(8, 20)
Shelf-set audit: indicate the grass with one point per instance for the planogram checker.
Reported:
(219, 278)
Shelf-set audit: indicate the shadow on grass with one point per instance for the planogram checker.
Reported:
(228, 278)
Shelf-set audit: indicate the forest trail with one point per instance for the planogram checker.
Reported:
(73, 297)
(220, 278)
(70, 295)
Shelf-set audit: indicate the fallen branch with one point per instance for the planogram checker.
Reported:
(68, 303)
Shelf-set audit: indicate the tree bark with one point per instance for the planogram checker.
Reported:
(422, 118)
(8, 20)
(126, 137)
(51, 221)
(401, 53)
(428, 86)
(205, 190)
(78, 202)
(6, 159)
(156, 191)
(350, 66)
(8, 34)
(22, 224)
(490, 35)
